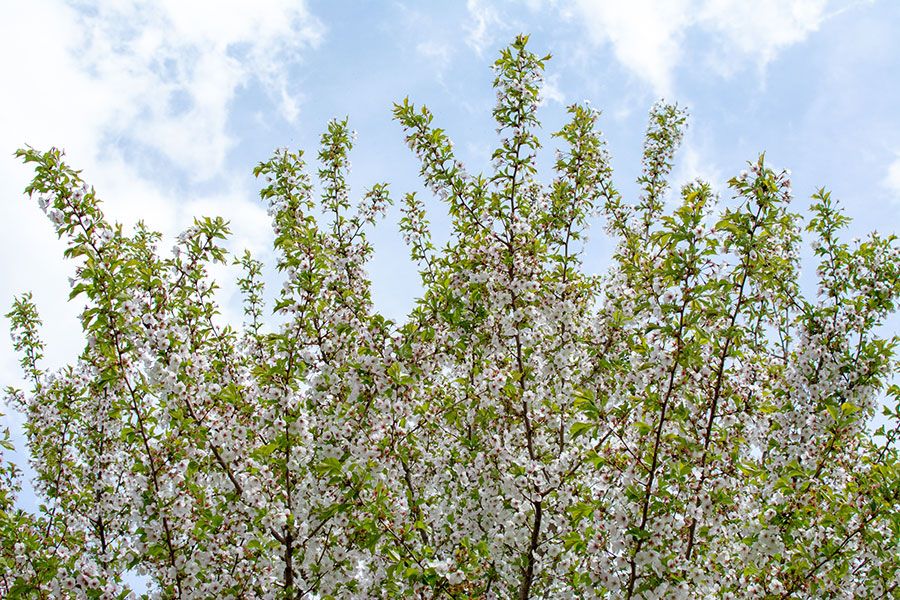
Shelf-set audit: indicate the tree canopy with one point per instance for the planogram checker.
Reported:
(689, 424)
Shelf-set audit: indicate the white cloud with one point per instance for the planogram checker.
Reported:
(551, 92)
(648, 37)
(436, 53)
(892, 179)
(645, 35)
(757, 31)
(480, 31)
(694, 161)
(170, 69)
(156, 76)
(653, 38)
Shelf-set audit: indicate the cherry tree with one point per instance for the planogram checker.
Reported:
(690, 424)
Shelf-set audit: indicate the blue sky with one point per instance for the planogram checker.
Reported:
(168, 105)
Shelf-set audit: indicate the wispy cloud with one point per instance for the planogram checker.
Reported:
(649, 37)
(484, 21)
(169, 70)
(892, 179)
(161, 75)
(646, 36)
(695, 161)
(551, 91)
(755, 32)
(436, 53)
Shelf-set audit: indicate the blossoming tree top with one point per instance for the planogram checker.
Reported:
(690, 424)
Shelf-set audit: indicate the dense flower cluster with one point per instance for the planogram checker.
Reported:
(688, 425)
